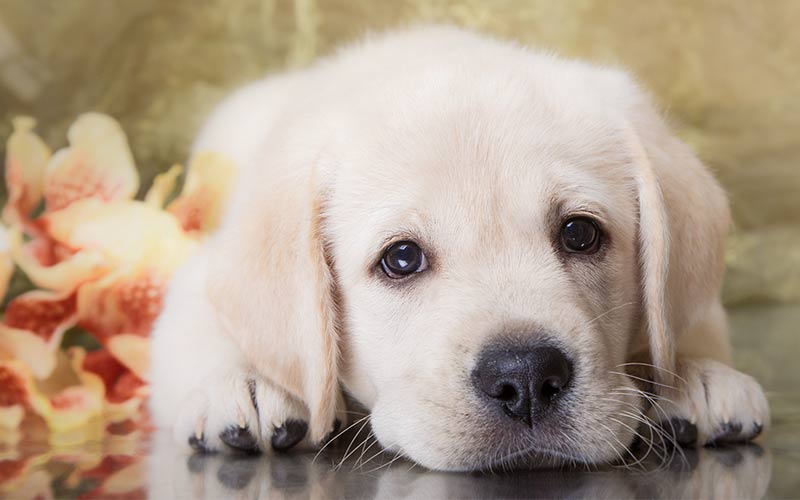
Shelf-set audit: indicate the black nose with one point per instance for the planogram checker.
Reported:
(523, 381)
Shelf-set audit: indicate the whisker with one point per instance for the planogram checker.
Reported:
(645, 380)
(334, 438)
(652, 447)
(649, 396)
(370, 459)
(665, 437)
(663, 434)
(347, 452)
(359, 462)
(610, 433)
(650, 365)
(548, 454)
(397, 457)
(620, 306)
(676, 447)
(639, 415)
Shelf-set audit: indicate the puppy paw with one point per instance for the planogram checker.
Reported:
(713, 404)
(238, 411)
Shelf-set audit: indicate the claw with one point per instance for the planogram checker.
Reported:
(240, 439)
(198, 442)
(289, 434)
(729, 432)
(683, 431)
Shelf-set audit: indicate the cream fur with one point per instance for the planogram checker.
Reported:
(474, 147)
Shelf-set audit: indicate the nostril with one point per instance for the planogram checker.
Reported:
(524, 382)
(550, 388)
(508, 393)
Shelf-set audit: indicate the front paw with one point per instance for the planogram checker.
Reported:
(712, 404)
(239, 411)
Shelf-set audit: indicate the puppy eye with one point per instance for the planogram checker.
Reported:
(580, 235)
(403, 259)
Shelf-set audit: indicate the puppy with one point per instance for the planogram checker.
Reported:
(506, 257)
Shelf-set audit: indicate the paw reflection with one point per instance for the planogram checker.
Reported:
(723, 472)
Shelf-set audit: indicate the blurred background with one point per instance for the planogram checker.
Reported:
(727, 72)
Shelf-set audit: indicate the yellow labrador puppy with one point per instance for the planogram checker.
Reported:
(506, 257)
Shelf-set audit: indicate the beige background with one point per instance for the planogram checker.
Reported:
(727, 72)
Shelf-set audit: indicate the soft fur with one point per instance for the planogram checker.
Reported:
(477, 149)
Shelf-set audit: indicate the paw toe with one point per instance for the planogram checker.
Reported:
(198, 443)
(728, 432)
(239, 438)
(682, 431)
(289, 434)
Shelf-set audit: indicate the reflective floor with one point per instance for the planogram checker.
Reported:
(128, 462)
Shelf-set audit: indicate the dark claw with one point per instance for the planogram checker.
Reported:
(757, 429)
(683, 431)
(239, 438)
(729, 432)
(289, 434)
(197, 443)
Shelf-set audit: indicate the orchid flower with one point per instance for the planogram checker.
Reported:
(100, 261)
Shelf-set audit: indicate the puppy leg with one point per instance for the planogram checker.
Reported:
(713, 403)
(201, 385)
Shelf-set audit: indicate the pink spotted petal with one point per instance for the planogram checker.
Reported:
(208, 183)
(97, 164)
(26, 158)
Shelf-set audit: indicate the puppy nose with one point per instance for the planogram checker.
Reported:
(524, 382)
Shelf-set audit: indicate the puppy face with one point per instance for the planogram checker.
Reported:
(470, 242)
(474, 242)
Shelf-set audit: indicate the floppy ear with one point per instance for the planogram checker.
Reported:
(683, 221)
(272, 287)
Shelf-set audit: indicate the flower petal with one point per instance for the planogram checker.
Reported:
(122, 302)
(34, 351)
(163, 186)
(33, 326)
(128, 482)
(41, 312)
(143, 244)
(14, 473)
(119, 476)
(10, 416)
(132, 351)
(98, 163)
(6, 262)
(124, 392)
(71, 408)
(50, 265)
(15, 393)
(208, 183)
(26, 158)
(124, 232)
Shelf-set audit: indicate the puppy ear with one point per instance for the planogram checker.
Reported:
(683, 221)
(272, 287)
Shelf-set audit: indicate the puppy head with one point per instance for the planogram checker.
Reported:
(474, 253)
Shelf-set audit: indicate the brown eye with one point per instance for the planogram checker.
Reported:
(580, 235)
(403, 259)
